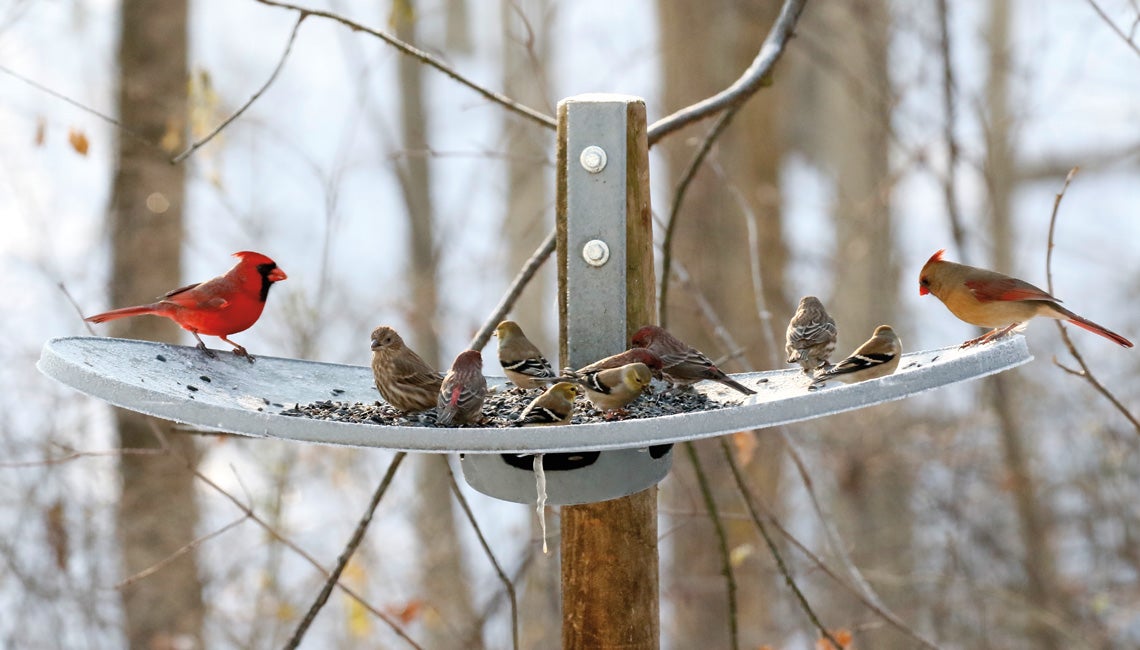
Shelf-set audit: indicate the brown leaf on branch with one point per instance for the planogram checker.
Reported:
(78, 141)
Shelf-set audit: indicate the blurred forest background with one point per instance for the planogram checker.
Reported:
(994, 514)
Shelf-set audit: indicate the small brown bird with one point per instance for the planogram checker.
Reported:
(632, 355)
(682, 364)
(554, 406)
(811, 335)
(463, 391)
(878, 357)
(404, 380)
(522, 361)
(992, 299)
(612, 389)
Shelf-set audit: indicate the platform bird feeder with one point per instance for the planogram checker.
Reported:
(606, 282)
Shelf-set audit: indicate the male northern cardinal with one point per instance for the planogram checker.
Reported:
(463, 390)
(554, 406)
(682, 364)
(612, 389)
(811, 335)
(991, 299)
(225, 305)
(878, 357)
(403, 378)
(521, 360)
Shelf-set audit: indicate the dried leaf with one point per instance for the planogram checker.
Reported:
(739, 554)
(407, 612)
(745, 444)
(78, 141)
(56, 527)
(41, 131)
(843, 636)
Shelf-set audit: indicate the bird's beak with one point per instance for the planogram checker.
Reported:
(277, 275)
(922, 291)
(375, 344)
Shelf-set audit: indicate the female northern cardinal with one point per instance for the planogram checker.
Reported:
(225, 305)
(403, 378)
(878, 357)
(991, 299)
(682, 364)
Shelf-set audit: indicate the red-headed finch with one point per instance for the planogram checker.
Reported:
(404, 380)
(553, 406)
(682, 364)
(522, 362)
(632, 355)
(613, 389)
(878, 357)
(992, 299)
(227, 304)
(811, 335)
(463, 390)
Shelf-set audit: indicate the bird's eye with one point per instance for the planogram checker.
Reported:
(924, 281)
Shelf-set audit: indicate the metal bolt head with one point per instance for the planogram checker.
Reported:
(593, 159)
(596, 252)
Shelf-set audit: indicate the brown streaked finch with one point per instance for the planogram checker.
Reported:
(811, 335)
(463, 390)
(682, 364)
(404, 380)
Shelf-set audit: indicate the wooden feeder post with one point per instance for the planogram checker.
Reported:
(606, 291)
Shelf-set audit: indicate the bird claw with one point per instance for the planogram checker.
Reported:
(241, 352)
(992, 335)
(207, 351)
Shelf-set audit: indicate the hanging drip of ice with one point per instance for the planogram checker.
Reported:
(540, 480)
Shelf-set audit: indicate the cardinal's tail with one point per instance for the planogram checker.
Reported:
(125, 312)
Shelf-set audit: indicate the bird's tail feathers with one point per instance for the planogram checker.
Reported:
(1087, 324)
(116, 314)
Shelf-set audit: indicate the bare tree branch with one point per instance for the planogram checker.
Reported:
(755, 77)
(1086, 372)
(722, 541)
(950, 179)
(1124, 37)
(345, 555)
(155, 568)
(426, 57)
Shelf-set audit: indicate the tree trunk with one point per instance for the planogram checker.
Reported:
(158, 512)
(710, 45)
(441, 569)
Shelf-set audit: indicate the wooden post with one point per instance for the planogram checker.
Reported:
(609, 549)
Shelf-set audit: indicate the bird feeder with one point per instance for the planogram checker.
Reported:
(606, 290)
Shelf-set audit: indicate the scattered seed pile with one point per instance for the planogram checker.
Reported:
(501, 409)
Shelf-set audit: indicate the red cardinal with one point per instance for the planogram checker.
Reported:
(225, 305)
(991, 299)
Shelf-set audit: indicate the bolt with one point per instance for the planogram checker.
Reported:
(593, 158)
(595, 252)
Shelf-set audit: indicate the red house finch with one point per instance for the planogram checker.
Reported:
(811, 335)
(878, 357)
(991, 299)
(681, 364)
(225, 305)
(404, 380)
(522, 362)
(463, 390)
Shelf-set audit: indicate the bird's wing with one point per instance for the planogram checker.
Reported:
(1008, 289)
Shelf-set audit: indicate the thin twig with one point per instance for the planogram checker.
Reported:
(675, 210)
(347, 553)
(949, 108)
(1124, 37)
(1086, 371)
(783, 567)
(755, 77)
(508, 300)
(75, 305)
(75, 455)
(491, 556)
(425, 57)
(254, 97)
(722, 540)
(154, 568)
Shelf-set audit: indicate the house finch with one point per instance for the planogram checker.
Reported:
(612, 389)
(404, 380)
(991, 299)
(632, 355)
(681, 364)
(523, 364)
(554, 406)
(463, 390)
(811, 335)
(225, 305)
(878, 357)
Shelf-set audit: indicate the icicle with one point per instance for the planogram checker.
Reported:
(540, 480)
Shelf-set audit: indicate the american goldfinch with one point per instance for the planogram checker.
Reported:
(991, 299)
(878, 357)
(522, 362)
(227, 304)
(681, 364)
(463, 390)
(613, 389)
(811, 335)
(404, 380)
(554, 406)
